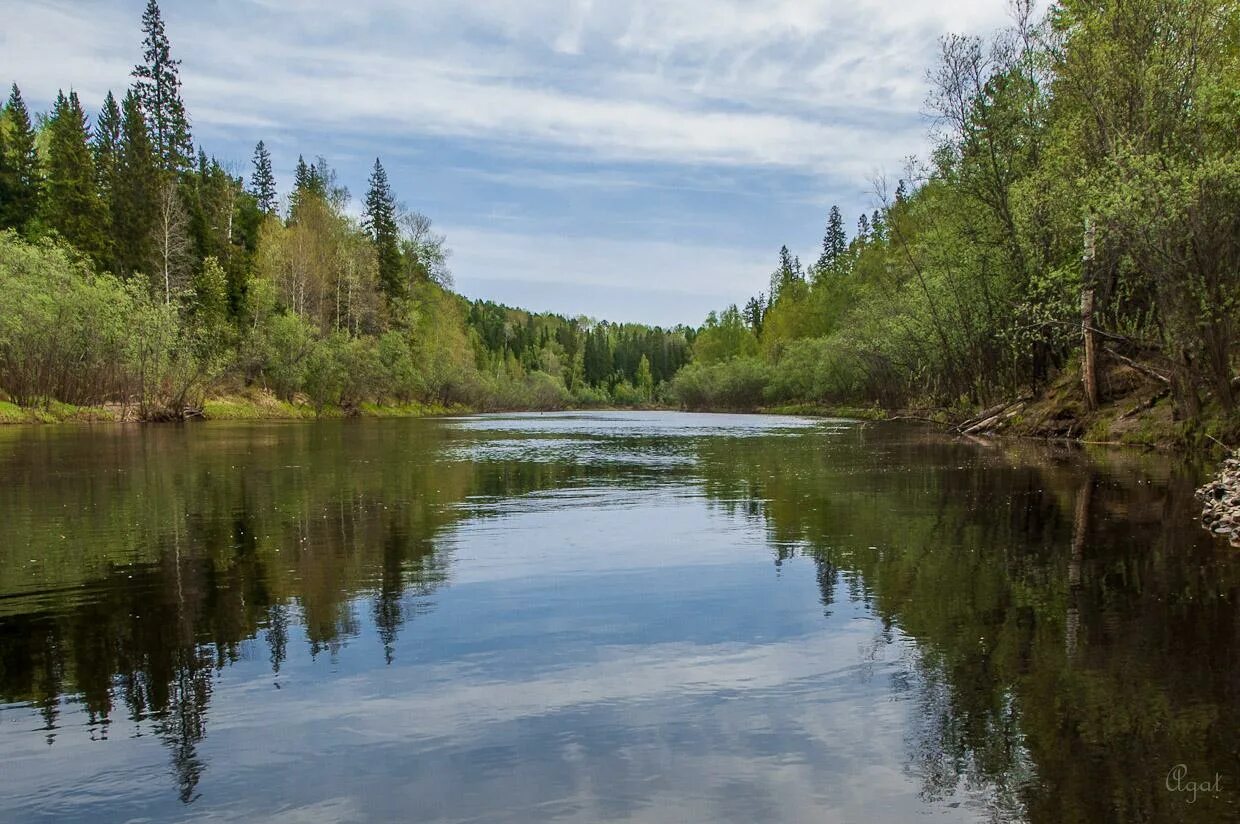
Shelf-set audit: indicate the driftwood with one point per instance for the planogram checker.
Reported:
(1006, 413)
(991, 412)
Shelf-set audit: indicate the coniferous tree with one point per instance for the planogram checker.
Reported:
(263, 180)
(4, 161)
(211, 197)
(159, 88)
(380, 221)
(106, 144)
(863, 229)
(135, 193)
(834, 243)
(106, 148)
(753, 312)
(788, 273)
(72, 205)
(20, 177)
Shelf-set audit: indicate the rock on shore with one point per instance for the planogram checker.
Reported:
(1221, 501)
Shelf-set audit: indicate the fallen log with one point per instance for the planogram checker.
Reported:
(1140, 367)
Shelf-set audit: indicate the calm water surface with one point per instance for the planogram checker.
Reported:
(607, 617)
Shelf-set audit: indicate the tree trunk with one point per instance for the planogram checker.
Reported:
(1089, 361)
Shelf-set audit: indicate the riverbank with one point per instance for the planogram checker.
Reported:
(252, 406)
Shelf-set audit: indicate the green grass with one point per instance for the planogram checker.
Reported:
(53, 412)
(862, 413)
(260, 408)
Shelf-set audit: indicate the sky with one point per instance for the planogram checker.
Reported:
(630, 160)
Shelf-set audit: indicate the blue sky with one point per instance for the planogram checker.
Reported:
(632, 160)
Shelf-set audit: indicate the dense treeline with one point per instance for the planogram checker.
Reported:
(136, 270)
(1106, 131)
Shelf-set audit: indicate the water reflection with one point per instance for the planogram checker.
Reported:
(614, 617)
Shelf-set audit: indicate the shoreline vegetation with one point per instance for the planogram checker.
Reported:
(1065, 264)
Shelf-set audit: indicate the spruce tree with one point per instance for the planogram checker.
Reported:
(863, 229)
(159, 88)
(301, 187)
(834, 244)
(107, 143)
(263, 180)
(135, 193)
(20, 177)
(72, 205)
(380, 221)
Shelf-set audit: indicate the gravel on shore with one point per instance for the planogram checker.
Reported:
(1220, 500)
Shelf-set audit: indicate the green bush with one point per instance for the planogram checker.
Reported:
(64, 330)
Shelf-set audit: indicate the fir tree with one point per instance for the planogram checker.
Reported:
(20, 178)
(753, 313)
(380, 221)
(863, 229)
(159, 88)
(301, 182)
(107, 144)
(263, 180)
(135, 193)
(834, 244)
(309, 181)
(301, 176)
(72, 206)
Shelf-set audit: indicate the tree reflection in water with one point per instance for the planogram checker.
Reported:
(1066, 633)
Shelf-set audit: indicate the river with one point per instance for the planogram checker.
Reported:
(646, 617)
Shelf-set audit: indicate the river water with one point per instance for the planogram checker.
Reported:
(647, 617)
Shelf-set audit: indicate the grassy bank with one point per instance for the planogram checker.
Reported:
(257, 406)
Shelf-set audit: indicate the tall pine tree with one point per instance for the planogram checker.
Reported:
(380, 221)
(263, 180)
(159, 89)
(135, 193)
(20, 176)
(72, 205)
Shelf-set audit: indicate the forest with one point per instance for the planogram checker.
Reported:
(1079, 214)
(137, 272)
(1084, 191)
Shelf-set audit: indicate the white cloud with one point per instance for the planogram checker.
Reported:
(813, 85)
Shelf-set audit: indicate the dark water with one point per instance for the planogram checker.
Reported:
(639, 617)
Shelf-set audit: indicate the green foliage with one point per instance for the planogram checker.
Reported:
(737, 384)
(724, 337)
(966, 286)
(63, 331)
